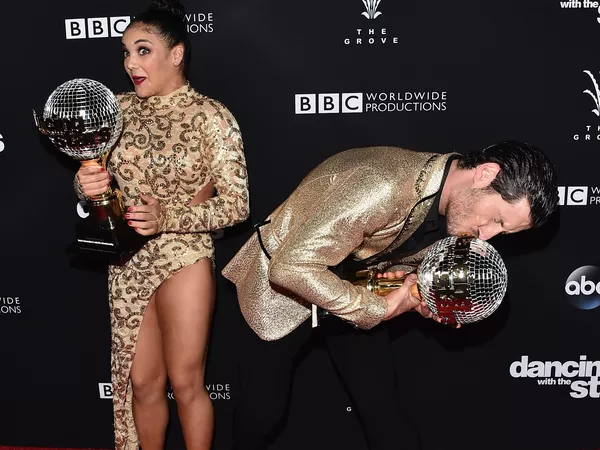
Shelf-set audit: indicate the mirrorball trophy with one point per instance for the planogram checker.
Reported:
(462, 279)
(84, 120)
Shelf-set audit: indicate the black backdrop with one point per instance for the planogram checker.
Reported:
(487, 71)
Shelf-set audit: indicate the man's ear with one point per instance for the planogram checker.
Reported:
(484, 174)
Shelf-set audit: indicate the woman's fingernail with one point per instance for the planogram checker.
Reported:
(127, 216)
(129, 223)
(102, 169)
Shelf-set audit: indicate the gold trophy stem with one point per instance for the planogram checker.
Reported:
(382, 286)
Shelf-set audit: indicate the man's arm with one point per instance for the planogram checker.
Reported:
(361, 205)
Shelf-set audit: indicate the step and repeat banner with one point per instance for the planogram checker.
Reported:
(306, 80)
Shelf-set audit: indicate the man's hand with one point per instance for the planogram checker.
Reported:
(400, 300)
(398, 305)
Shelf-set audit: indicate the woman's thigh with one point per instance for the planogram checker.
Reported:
(185, 305)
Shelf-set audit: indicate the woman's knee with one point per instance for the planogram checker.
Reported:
(187, 384)
(149, 388)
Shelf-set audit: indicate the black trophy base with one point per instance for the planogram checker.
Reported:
(113, 242)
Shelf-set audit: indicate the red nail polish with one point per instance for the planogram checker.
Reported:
(130, 209)
(102, 169)
(127, 216)
(129, 223)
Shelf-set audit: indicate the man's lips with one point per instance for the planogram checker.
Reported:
(138, 80)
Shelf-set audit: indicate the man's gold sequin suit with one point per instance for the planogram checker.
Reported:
(360, 202)
(171, 147)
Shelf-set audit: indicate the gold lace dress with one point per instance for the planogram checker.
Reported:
(171, 147)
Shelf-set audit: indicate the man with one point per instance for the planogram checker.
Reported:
(363, 207)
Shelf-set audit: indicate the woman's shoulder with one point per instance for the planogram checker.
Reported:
(211, 106)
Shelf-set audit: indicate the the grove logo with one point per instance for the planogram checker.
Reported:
(592, 131)
(371, 9)
(96, 27)
(595, 95)
(583, 287)
(371, 34)
(1, 143)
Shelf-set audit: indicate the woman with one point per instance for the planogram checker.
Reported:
(175, 144)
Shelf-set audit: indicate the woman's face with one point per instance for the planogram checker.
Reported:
(152, 66)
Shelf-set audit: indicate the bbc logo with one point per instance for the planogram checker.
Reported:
(96, 27)
(573, 195)
(329, 103)
(105, 390)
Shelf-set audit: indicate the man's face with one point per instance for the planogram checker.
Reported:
(483, 213)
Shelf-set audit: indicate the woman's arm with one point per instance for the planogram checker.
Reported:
(223, 141)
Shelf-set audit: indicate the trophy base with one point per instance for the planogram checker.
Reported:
(114, 245)
(105, 234)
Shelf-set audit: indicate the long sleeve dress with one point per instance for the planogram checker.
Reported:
(171, 147)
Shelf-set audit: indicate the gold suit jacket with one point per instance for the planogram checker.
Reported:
(361, 201)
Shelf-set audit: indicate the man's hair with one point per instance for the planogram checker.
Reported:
(525, 172)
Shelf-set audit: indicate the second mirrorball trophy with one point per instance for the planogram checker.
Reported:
(84, 120)
(461, 278)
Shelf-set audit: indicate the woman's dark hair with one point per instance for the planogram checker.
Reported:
(167, 17)
(524, 172)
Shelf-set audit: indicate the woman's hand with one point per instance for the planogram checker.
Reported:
(94, 180)
(145, 219)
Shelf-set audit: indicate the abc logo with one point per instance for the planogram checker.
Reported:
(1, 144)
(82, 210)
(583, 287)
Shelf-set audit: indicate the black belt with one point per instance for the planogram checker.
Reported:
(260, 241)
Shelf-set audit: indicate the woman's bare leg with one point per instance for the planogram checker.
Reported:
(149, 379)
(185, 305)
